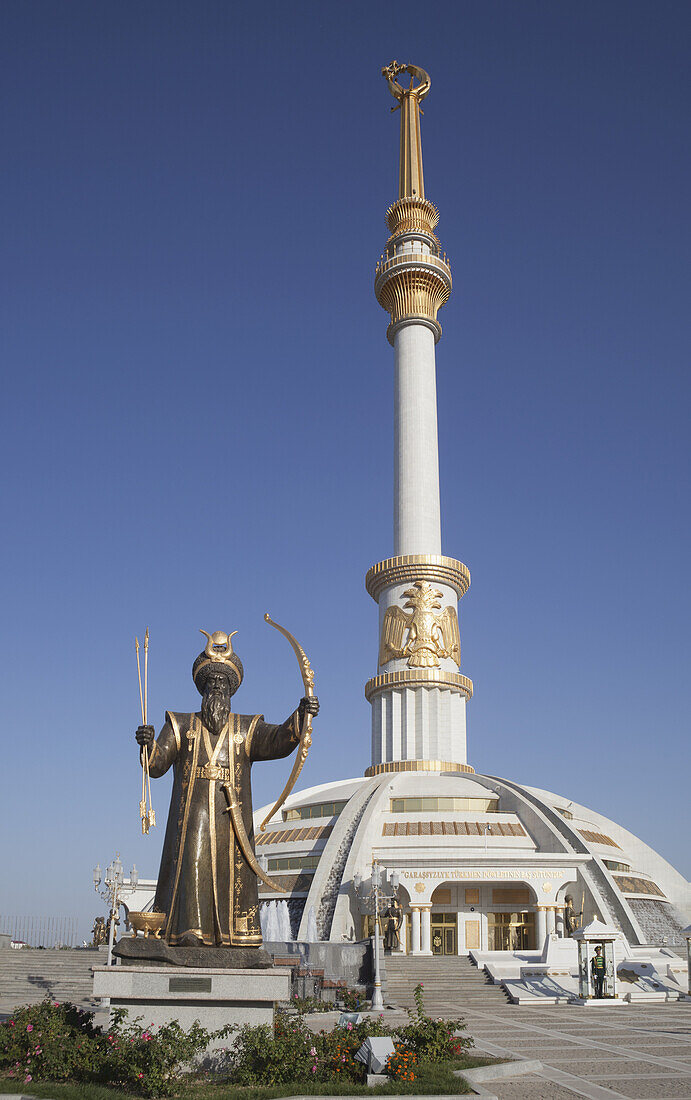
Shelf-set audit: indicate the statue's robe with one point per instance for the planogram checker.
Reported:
(205, 885)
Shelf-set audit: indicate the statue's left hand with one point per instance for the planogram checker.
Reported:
(308, 705)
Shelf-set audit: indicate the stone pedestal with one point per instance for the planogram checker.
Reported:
(560, 953)
(214, 997)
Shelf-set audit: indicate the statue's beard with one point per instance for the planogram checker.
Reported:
(215, 711)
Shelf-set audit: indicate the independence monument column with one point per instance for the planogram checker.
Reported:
(418, 697)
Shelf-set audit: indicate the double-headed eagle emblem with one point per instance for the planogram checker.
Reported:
(432, 633)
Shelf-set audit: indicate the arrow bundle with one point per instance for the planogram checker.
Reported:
(146, 810)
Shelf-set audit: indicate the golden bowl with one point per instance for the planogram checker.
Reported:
(151, 924)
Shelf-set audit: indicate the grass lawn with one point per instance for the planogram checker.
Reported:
(433, 1078)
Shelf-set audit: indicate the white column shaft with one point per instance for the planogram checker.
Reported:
(426, 937)
(415, 932)
(419, 724)
(541, 927)
(417, 522)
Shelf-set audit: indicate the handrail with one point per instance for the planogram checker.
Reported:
(412, 257)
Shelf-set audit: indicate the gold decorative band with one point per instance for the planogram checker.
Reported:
(418, 766)
(411, 213)
(410, 291)
(406, 568)
(215, 772)
(413, 319)
(451, 681)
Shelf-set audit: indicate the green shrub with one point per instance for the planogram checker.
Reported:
(259, 1057)
(50, 1041)
(294, 1053)
(150, 1060)
(432, 1040)
(352, 999)
(59, 1042)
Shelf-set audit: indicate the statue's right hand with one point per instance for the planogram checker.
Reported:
(145, 736)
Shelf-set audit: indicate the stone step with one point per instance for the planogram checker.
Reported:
(449, 979)
(27, 976)
(66, 972)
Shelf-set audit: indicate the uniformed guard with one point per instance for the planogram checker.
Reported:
(598, 971)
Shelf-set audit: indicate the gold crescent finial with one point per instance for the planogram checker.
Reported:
(390, 72)
(410, 177)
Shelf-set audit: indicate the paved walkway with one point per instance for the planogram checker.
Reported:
(638, 1052)
(641, 1052)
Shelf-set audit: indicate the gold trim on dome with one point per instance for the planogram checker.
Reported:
(407, 568)
(418, 766)
(452, 681)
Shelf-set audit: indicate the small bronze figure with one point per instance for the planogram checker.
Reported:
(393, 915)
(570, 917)
(99, 932)
(207, 883)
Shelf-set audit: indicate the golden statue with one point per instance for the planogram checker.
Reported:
(207, 894)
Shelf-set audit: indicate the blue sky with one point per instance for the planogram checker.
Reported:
(197, 413)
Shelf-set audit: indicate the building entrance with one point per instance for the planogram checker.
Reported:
(444, 940)
(511, 931)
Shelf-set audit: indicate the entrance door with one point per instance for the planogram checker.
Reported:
(511, 931)
(443, 933)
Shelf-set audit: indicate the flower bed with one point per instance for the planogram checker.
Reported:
(53, 1042)
(59, 1042)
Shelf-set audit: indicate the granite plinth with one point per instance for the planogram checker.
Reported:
(214, 996)
(149, 951)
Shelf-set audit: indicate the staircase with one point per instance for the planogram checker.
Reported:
(27, 975)
(451, 983)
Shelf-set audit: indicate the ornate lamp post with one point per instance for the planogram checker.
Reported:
(377, 900)
(687, 935)
(113, 891)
